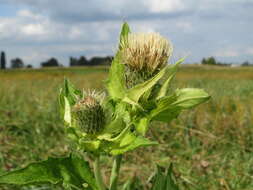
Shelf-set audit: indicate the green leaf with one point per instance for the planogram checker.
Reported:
(137, 91)
(164, 181)
(70, 171)
(116, 82)
(169, 107)
(190, 97)
(68, 90)
(133, 184)
(142, 125)
(170, 74)
(139, 141)
(67, 112)
(125, 30)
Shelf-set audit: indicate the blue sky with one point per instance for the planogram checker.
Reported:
(36, 30)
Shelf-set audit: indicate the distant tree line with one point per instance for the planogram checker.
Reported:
(17, 63)
(82, 61)
(212, 61)
(94, 61)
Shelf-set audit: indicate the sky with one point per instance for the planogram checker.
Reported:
(36, 30)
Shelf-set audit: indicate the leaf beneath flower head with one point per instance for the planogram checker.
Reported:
(139, 141)
(170, 74)
(70, 171)
(71, 92)
(67, 112)
(67, 91)
(137, 91)
(125, 30)
(142, 125)
(169, 107)
(116, 81)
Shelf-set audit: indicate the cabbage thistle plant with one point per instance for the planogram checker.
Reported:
(114, 122)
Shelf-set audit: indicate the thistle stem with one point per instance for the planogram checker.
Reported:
(115, 172)
(98, 176)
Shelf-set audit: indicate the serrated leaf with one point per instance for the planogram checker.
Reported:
(67, 112)
(142, 125)
(137, 91)
(70, 92)
(67, 91)
(190, 97)
(116, 83)
(171, 71)
(70, 171)
(139, 141)
(125, 30)
(169, 107)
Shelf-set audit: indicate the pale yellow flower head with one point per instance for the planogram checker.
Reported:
(146, 52)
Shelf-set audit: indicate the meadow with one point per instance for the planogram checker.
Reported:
(211, 146)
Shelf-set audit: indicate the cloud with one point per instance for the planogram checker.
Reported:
(44, 28)
(249, 51)
(227, 53)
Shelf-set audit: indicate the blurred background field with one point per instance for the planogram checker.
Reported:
(211, 146)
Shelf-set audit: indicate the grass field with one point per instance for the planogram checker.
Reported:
(211, 146)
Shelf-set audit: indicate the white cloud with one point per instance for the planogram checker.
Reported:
(185, 26)
(227, 53)
(43, 28)
(34, 29)
(163, 6)
(249, 51)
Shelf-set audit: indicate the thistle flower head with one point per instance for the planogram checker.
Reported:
(147, 52)
(88, 113)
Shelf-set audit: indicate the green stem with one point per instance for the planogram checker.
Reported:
(115, 172)
(98, 176)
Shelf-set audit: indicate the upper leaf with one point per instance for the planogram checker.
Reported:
(169, 107)
(116, 81)
(190, 97)
(133, 143)
(125, 30)
(70, 92)
(170, 74)
(70, 171)
(137, 91)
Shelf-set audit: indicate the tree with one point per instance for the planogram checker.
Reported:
(246, 64)
(50, 63)
(101, 60)
(3, 60)
(29, 66)
(82, 61)
(209, 61)
(17, 63)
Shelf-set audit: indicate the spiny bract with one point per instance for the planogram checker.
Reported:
(88, 114)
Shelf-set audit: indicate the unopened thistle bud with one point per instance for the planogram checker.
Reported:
(144, 55)
(88, 115)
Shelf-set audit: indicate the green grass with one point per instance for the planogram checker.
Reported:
(211, 146)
